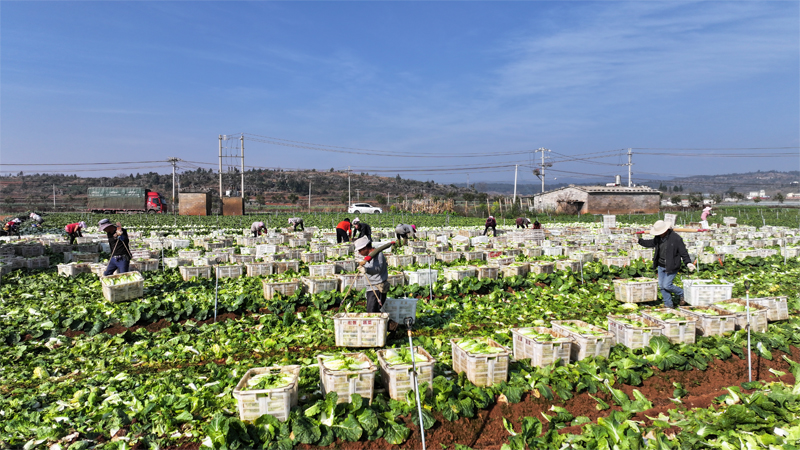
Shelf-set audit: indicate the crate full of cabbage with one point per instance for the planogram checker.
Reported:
(347, 374)
(711, 320)
(633, 331)
(636, 290)
(678, 327)
(758, 314)
(484, 360)
(541, 345)
(267, 390)
(122, 287)
(360, 329)
(396, 370)
(587, 340)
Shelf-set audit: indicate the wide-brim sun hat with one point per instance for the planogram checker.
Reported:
(707, 208)
(82, 224)
(356, 220)
(659, 228)
(103, 224)
(361, 243)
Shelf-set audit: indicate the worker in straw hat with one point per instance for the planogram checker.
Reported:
(121, 256)
(376, 269)
(704, 217)
(669, 250)
(362, 228)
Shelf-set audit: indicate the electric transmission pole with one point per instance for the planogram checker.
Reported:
(516, 166)
(174, 161)
(630, 164)
(540, 172)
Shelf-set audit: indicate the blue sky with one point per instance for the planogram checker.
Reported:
(143, 81)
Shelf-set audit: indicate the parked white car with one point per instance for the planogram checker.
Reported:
(363, 208)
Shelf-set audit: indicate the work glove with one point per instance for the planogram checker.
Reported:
(361, 269)
(691, 267)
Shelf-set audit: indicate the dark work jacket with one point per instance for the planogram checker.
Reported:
(364, 230)
(119, 244)
(676, 250)
(491, 223)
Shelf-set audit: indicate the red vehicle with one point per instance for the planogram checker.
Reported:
(125, 200)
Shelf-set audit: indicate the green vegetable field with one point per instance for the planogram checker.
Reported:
(78, 371)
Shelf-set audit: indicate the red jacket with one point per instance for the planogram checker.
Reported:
(71, 228)
(345, 225)
(490, 222)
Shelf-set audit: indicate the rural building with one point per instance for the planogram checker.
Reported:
(599, 200)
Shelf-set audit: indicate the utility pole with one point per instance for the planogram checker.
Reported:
(220, 172)
(540, 172)
(516, 166)
(241, 140)
(629, 167)
(349, 197)
(467, 181)
(309, 195)
(358, 195)
(173, 160)
(54, 197)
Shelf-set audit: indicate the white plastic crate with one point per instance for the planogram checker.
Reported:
(255, 403)
(360, 329)
(630, 336)
(448, 256)
(678, 331)
(481, 370)
(487, 272)
(515, 269)
(315, 285)
(190, 254)
(569, 265)
(619, 261)
(284, 288)
(400, 308)
(229, 271)
(542, 267)
(636, 290)
(177, 262)
(541, 353)
(259, 269)
(357, 281)
(312, 257)
(399, 378)
(712, 325)
(585, 345)
(423, 277)
(424, 259)
(347, 383)
(90, 257)
(706, 292)
(758, 315)
(345, 265)
(37, 262)
(400, 260)
(777, 307)
(287, 265)
(123, 292)
(459, 273)
(321, 270)
(71, 270)
(729, 220)
(609, 221)
(189, 272)
(144, 265)
(243, 259)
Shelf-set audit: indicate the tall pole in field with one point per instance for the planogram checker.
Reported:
(349, 198)
(516, 166)
(173, 160)
(629, 167)
(309, 195)
(241, 140)
(54, 197)
(220, 172)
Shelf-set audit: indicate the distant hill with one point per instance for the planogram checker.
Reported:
(268, 186)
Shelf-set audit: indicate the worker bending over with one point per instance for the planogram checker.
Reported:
(362, 228)
(297, 222)
(523, 222)
(258, 228)
(74, 231)
(402, 231)
(376, 270)
(490, 223)
(343, 231)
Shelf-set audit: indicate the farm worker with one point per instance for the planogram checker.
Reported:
(363, 229)
(669, 251)
(704, 217)
(37, 219)
(490, 223)
(297, 222)
(74, 231)
(537, 225)
(376, 270)
(523, 222)
(11, 227)
(343, 231)
(258, 228)
(402, 231)
(118, 241)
